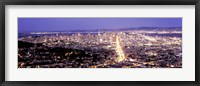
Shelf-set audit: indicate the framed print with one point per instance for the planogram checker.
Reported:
(101, 42)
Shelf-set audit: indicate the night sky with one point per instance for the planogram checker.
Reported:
(66, 24)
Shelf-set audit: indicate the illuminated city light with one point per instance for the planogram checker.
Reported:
(149, 38)
(121, 56)
(80, 50)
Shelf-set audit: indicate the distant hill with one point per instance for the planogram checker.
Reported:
(134, 28)
(154, 28)
(126, 29)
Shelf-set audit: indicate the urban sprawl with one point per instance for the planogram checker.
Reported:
(109, 49)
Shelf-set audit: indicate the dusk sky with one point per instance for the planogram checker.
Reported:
(66, 24)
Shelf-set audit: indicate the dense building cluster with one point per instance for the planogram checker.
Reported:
(100, 50)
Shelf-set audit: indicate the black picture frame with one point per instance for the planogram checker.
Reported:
(98, 2)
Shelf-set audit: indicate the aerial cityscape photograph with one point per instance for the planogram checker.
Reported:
(99, 42)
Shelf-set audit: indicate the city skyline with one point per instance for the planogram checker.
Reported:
(100, 43)
(66, 24)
